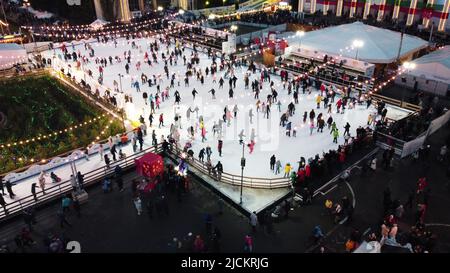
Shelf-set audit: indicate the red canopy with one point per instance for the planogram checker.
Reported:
(150, 165)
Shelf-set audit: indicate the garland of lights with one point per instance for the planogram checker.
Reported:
(55, 133)
(32, 160)
(183, 26)
(86, 35)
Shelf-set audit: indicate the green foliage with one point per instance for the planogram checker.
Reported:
(39, 106)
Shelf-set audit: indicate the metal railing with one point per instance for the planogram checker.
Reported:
(235, 180)
(325, 77)
(387, 142)
(401, 104)
(92, 177)
(65, 187)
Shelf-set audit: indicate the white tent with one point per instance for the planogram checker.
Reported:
(98, 23)
(434, 66)
(11, 54)
(379, 45)
(431, 72)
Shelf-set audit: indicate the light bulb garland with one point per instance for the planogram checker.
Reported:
(24, 159)
(54, 134)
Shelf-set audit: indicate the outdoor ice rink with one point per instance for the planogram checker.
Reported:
(270, 137)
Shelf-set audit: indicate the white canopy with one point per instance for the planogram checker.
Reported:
(434, 66)
(99, 23)
(379, 45)
(11, 54)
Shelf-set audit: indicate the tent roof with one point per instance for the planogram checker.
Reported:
(99, 23)
(434, 66)
(380, 45)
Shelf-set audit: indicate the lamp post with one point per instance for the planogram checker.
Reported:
(242, 170)
(300, 34)
(122, 115)
(120, 82)
(357, 44)
(408, 66)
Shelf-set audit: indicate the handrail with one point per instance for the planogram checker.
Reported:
(323, 77)
(406, 105)
(230, 178)
(94, 176)
(65, 187)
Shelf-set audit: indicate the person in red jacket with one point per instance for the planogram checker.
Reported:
(307, 171)
(338, 105)
(421, 184)
(161, 120)
(199, 245)
(301, 176)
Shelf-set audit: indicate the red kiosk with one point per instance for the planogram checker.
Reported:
(150, 166)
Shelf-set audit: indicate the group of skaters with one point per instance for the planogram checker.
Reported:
(320, 165)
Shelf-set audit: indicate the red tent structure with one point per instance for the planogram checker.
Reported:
(150, 165)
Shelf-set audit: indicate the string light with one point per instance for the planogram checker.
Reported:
(43, 161)
(55, 133)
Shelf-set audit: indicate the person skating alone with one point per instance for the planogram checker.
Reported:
(272, 162)
(335, 133)
(347, 129)
(287, 170)
(161, 120)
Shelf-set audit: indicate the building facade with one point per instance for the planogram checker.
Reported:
(124, 10)
(422, 12)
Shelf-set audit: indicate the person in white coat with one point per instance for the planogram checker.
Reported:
(42, 181)
(138, 205)
(252, 135)
(101, 151)
(73, 182)
(250, 115)
(253, 221)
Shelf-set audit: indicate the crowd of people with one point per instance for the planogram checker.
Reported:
(261, 17)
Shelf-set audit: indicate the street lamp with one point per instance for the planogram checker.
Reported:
(408, 66)
(181, 12)
(120, 81)
(300, 33)
(160, 8)
(212, 16)
(234, 28)
(122, 115)
(357, 44)
(242, 170)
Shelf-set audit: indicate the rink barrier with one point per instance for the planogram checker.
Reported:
(325, 78)
(93, 177)
(401, 104)
(235, 180)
